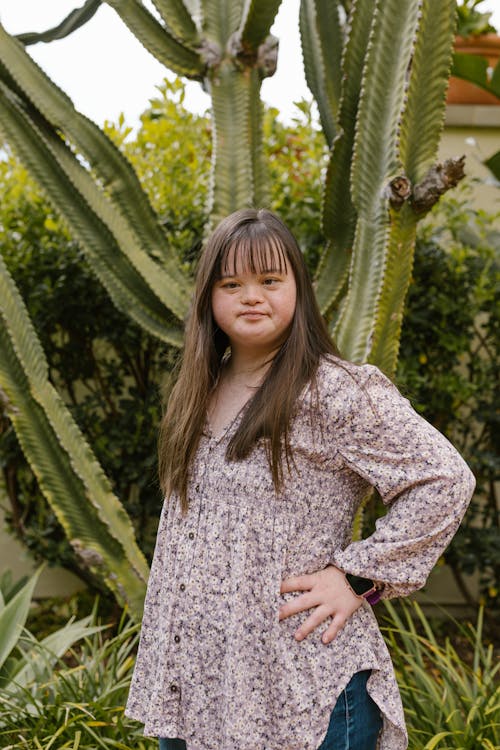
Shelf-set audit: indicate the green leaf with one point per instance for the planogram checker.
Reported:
(493, 164)
(157, 40)
(72, 22)
(474, 68)
(259, 18)
(432, 744)
(495, 80)
(13, 617)
(46, 653)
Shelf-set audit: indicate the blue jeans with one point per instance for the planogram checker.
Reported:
(355, 722)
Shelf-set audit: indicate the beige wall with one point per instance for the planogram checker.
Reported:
(462, 124)
(15, 557)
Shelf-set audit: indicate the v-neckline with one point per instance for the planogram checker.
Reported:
(216, 438)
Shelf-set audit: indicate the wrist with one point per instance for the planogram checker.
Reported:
(364, 588)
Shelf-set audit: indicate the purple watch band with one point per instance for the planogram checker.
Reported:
(374, 597)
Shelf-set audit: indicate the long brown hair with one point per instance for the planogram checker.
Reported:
(253, 236)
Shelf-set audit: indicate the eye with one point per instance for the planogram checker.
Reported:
(271, 281)
(229, 285)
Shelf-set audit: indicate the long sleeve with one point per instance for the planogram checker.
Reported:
(419, 475)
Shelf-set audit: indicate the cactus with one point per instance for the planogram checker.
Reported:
(380, 83)
(395, 67)
(224, 44)
(227, 46)
(71, 479)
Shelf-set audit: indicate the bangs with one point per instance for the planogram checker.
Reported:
(254, 251)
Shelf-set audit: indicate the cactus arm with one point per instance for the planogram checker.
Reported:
(70, 477)
(221, 19)
(322, 42)
(339, 215)
(111, 167)
(72, 22)
(375, 161)
(388, 57)
(421, 126)
(126, 287)
(259, 168)
(233, 97)
(178, 21)
(257, 21)
(423, 116)
(396, 275)
(157, 40)
(157, 279)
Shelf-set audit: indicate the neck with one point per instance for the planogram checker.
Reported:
(247, 367)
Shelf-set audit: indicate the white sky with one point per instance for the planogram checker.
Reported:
(105, 70)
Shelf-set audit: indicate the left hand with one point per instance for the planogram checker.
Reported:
(328, 591)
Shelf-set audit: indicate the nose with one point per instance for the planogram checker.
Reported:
(252, 294)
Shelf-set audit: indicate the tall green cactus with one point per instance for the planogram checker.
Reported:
(379, 83)
(71, 479)
(395, 66)
(227, 45)
(222, 43)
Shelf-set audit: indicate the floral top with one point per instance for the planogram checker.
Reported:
(215, 666)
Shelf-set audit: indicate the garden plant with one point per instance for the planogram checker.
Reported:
(382, 119)
(99, 236)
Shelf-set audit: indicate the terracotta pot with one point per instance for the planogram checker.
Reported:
(463, 92)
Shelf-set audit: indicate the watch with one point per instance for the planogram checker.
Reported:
(364, 587)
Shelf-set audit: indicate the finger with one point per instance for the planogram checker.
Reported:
(316, 618)
(298, 604)
(296, 583)
(332, 631)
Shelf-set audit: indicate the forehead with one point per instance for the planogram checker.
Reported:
(253, 254)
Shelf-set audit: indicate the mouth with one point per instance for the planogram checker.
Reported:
(252, 314)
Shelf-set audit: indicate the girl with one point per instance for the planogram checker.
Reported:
(258, 632)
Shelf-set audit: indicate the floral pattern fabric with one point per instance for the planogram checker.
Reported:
(215, 666)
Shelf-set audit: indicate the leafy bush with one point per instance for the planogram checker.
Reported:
(449, 363)
(79, 705)
(111, 373)
(451, 701)
(449, 689)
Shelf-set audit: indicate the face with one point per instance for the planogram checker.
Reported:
(254, 308)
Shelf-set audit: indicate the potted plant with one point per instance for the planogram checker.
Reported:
(477, 55)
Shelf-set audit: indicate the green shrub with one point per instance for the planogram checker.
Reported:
(110, 373)
(451, 699)
(449, 364)
(80, 705)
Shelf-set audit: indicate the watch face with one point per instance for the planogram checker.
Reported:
(360, 586)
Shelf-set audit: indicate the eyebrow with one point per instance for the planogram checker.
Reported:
(281, 272)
